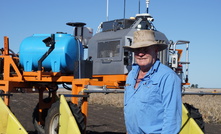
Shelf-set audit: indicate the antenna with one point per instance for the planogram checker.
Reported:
(107, 10)
(124, 8)
(139, 6)
(147, 4)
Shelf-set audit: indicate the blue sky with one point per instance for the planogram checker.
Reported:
(198, 21)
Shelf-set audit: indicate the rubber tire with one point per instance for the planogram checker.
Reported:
(53, 112)
(39, 128)
(195, 114)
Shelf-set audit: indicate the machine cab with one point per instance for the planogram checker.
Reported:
(106, 46)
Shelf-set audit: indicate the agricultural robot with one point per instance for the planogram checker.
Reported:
(81, 62)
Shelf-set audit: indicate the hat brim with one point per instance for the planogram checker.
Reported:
(160, 46)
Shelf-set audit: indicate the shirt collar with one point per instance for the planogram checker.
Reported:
(154, 68)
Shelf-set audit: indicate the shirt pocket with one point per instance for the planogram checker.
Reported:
(149, 92)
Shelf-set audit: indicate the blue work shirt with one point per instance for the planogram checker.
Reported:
(155, 106)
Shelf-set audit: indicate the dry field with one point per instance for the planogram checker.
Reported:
(208, 105)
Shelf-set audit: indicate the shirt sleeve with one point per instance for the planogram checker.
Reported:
(172, 103)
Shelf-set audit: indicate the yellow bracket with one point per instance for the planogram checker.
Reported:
(67, 122)
(8, 122)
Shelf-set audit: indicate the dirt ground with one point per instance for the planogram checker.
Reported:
(102, 119)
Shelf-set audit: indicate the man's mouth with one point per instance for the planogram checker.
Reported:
(142, 58)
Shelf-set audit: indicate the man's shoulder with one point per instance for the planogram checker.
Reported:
(165, 72)
(165, 69)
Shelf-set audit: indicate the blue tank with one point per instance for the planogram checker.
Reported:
(67, 50)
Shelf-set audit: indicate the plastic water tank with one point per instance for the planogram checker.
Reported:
(67, 50)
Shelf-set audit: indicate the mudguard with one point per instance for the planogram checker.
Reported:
(8, 122)
(189, 126)
(67, 122)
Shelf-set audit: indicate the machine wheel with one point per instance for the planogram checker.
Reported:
(52, 119)
(195, 114)
(35, 115)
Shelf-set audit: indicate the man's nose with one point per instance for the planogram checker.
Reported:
(141, 53)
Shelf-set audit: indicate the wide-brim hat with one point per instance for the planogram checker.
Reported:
(146, 38)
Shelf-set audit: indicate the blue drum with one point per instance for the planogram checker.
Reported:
(67, 50)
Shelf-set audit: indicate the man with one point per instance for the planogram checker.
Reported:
(152, 100)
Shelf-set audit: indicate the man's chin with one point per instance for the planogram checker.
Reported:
(145, 66)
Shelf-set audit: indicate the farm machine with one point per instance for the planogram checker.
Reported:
(81, 62)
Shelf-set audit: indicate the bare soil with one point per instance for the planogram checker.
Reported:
(102, 119)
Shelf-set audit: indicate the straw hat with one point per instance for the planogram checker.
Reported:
(145, 38)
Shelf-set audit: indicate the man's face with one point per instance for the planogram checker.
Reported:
(145, 57)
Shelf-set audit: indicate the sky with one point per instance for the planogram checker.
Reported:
(198, 21)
